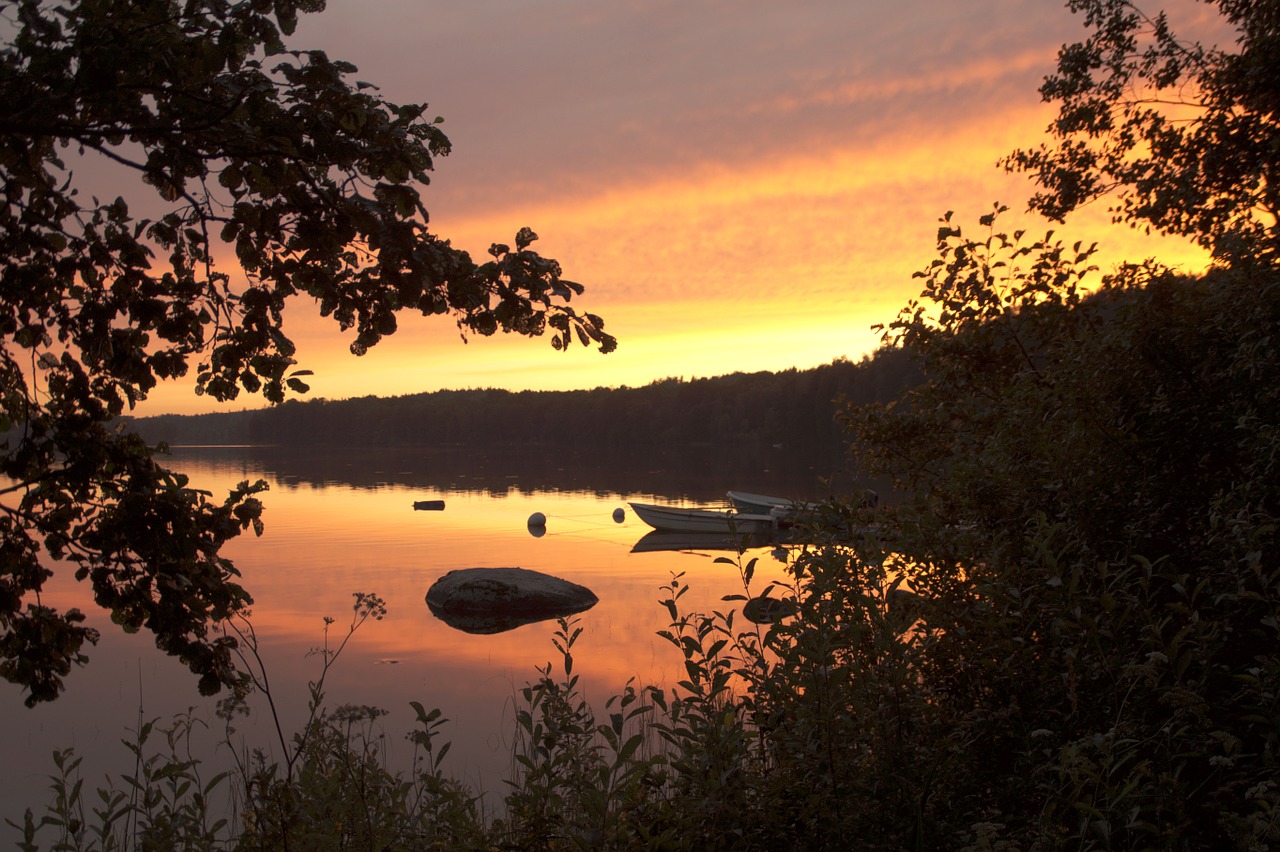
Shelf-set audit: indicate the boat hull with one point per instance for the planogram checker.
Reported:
(762, 504)
(676, 519)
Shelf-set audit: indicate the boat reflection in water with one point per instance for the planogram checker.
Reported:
(674, 540)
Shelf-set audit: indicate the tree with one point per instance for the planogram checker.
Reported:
(1090, 546)
(1183, 133)
(243, 146)
(1090, 541)
(1091, 536)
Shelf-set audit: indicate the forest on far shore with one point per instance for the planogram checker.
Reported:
(792, 408)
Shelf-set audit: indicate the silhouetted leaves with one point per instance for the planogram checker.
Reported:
(242, 147)
(1181, 132)
(1090, 548)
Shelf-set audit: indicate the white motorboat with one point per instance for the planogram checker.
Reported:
(681, 519)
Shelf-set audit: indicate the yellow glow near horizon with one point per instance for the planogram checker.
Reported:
(712, 271)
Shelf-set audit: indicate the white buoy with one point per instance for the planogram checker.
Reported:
(537, 520)
(619, 515)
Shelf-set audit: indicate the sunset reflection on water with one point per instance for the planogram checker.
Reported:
(324, 541)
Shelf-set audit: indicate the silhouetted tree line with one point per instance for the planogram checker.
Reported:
(792, 408)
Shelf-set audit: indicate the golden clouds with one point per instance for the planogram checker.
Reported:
(740, 189)
(717, 270)
(981, 71)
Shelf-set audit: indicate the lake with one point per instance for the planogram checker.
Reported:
(341, 522)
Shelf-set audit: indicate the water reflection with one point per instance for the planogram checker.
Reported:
(670, 540)
(697, 473)
(344, 522)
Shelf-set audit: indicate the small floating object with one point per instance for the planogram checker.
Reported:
(537, 519)
(618, 515)
(429, 505)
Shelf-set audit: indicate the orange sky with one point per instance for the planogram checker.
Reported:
(740, 186)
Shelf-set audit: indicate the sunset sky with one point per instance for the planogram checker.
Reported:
(740, 185)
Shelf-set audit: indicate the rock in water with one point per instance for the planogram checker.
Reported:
(491, 600)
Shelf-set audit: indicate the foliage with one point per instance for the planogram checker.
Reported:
(254, 678)
(576, 782)
(343, 796)
(1183, 131)
(165, 804)
(332, 790)
(1092, 542)
(255, 173)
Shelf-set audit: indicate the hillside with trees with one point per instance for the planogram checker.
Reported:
(791, 407)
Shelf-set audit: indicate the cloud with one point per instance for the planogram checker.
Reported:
(741, 185)
(563, 97)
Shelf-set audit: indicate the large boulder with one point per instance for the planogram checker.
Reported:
(491, 600)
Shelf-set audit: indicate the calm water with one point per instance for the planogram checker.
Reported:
(344, 523)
